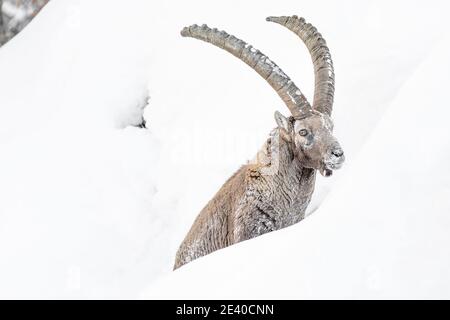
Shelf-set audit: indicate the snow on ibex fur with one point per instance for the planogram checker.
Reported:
(273, 191)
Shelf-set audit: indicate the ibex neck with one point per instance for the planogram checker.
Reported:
(275, 155)
(281, 170)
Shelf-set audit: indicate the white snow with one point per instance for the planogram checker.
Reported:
(78, 183)
(93, 207)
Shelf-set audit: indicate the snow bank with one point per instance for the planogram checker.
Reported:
(92, 206)
(78, 211)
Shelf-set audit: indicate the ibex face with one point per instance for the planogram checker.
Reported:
(313, 141)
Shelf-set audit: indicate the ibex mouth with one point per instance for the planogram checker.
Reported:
(331, 164)
(325, 172)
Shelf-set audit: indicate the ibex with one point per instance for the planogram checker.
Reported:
(273, 191)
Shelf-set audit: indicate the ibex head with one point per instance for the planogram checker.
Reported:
(309, 129)
(313, 141)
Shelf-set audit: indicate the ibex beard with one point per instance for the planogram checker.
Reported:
(274, 190)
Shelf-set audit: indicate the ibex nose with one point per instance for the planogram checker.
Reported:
(337, 152)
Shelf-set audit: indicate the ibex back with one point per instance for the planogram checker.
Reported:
(274, 190)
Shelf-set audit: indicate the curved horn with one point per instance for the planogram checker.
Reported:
(321, 57)
(283, 85)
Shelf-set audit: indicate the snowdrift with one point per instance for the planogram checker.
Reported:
(77, 177)
(94, 207)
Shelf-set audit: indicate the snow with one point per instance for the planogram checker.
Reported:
(78, 182)
(94, 207)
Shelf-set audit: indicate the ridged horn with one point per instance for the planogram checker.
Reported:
(321, 57)
(283, 85)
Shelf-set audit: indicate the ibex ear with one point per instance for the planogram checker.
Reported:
(284, 125)
(282, 121)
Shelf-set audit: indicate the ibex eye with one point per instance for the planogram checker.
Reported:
(303, 132)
